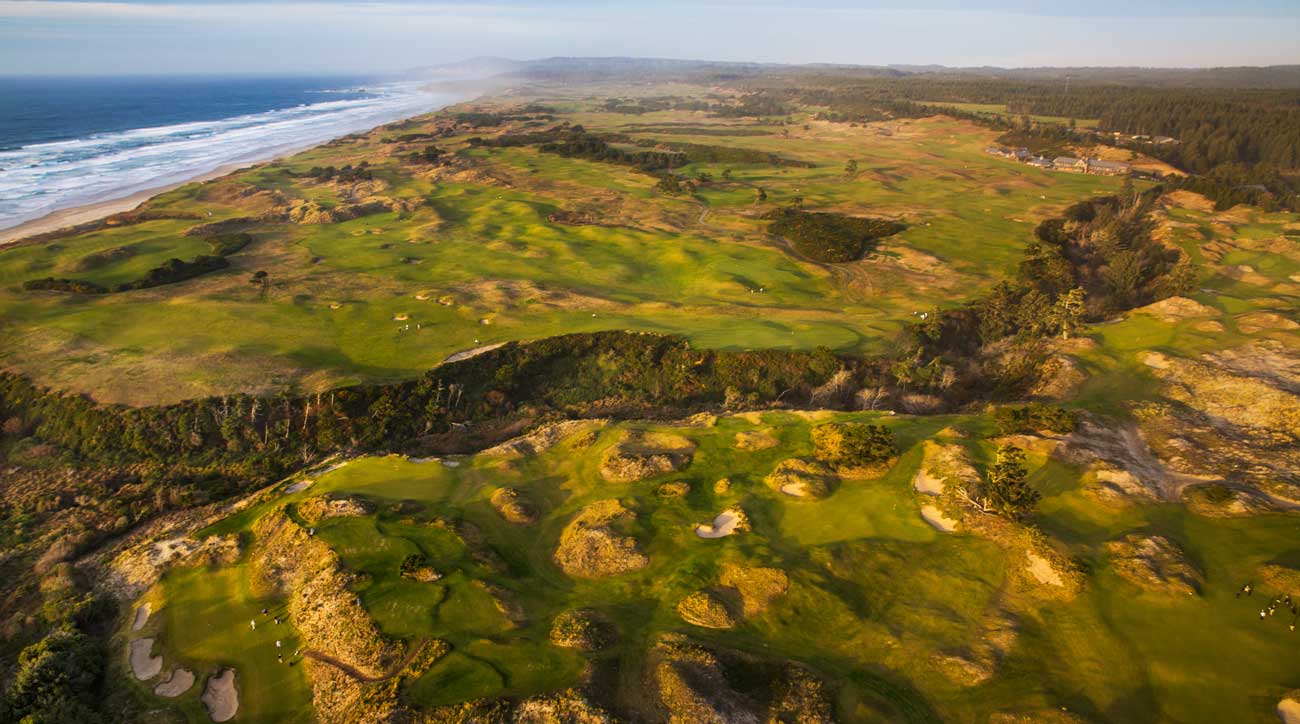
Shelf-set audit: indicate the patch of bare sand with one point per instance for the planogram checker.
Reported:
(936, 518)
(544, 438)
(220, 697)
(1269, 360)
(177, 683)
(1255, 322)
(144, 664)
(141, 616)
(1042, 571)
(298, 487)
(729, 521)
(1176, 309)
(1288, 710)
(1246, 274)
(943, 462)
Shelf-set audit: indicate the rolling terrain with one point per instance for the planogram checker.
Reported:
(659, 402)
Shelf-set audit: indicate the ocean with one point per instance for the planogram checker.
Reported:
(66, 142)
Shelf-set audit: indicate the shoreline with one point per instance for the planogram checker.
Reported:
(93, 211)
(96, 210)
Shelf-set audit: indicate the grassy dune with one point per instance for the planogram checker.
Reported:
(873, 589)
(482, 240)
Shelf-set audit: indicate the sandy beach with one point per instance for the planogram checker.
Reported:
(459, 90)
(74, 215)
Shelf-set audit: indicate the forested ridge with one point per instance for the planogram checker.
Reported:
(1233, 138)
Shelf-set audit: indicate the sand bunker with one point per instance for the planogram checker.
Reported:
(927, 484)
(298, 487)
(144, 664)
(220, 697)
(176, 684)
(401, 317)
(724, 525)
(936, 518)
(1288, 710)
(141, 616)
(1042, 571)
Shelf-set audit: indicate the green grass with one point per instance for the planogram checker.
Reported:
(875, 593)
(203, 625)
(999, 109)
(668, 266)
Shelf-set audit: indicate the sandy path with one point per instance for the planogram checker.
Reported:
(1288, 710)
(141, 616)
(143, 663)
(466, 354)
(936, 518)
(178, 683)
(355, 673)
(220, 697)
(723, 525)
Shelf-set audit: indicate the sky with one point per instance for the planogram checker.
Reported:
(72, 37)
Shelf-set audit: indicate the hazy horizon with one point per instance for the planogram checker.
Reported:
(148, 37)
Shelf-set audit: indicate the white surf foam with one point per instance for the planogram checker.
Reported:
(38, 179)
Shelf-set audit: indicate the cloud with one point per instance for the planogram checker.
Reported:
(284, 36)
(498, 20)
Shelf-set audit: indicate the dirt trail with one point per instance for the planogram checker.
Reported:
(355, 673)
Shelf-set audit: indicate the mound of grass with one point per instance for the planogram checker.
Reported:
(831, 238)
(853, 444)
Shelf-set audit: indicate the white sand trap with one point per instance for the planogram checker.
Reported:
(178, 683)
(936, 518)
(1288, 710)
(298, 487)
(723, 525)
(220, 697)
(927, 484)
(451, 463)
(141, 616)
(1041, 569)
(144, 664)
(468, 353)
(798, 490)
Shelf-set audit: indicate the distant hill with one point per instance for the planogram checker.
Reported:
(1271, 77)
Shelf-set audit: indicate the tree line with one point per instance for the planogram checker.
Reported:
(1237, 138)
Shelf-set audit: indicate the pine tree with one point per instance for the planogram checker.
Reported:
(1068, 312)
(1008, 493)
